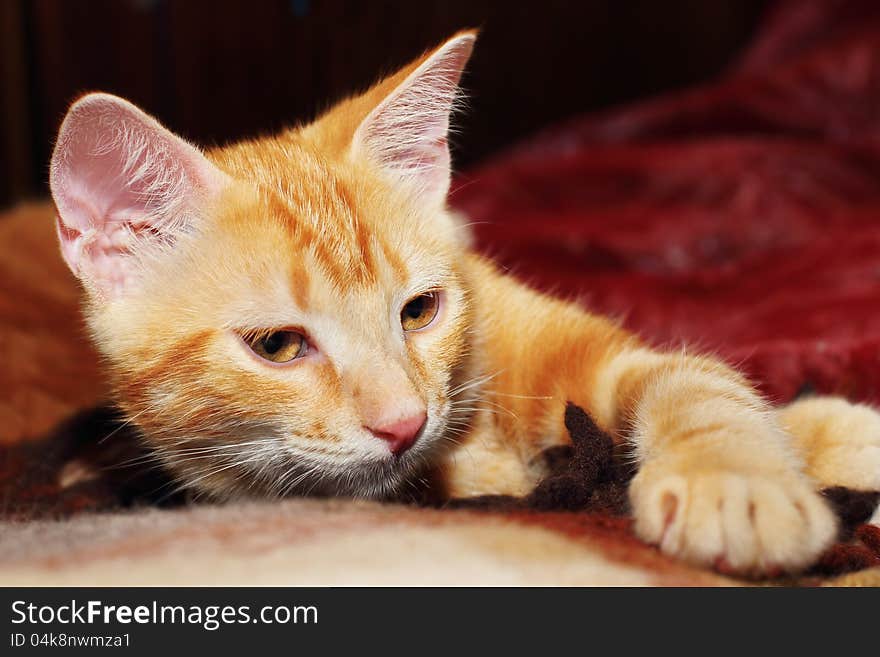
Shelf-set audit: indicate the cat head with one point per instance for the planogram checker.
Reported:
(282, 314)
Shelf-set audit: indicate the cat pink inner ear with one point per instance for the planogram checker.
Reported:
(120, 182)
(407, 132)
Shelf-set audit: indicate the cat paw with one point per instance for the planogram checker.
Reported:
(744, 524)
(841, 441)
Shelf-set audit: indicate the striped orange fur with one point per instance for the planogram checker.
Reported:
(327, 234)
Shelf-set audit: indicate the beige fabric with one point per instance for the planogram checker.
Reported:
(314, 542)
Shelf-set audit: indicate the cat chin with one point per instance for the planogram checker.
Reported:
(377, 479)
(385, 479)
(284, 471)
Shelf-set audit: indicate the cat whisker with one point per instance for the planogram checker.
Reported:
(494, 411)
(124, 424)
(187, 453)
(507, 394)
(214, 472)
(472, 383)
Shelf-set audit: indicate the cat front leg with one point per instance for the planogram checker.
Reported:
(720, 482)
(840, 441)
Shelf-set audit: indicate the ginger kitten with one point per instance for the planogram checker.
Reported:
(301, 313)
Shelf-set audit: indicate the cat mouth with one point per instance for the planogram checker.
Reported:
(367, 480)
(388, 475)
(287, 469)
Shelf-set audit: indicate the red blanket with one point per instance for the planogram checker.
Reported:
(742, 217)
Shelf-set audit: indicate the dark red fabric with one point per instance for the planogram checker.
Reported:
(742, 217)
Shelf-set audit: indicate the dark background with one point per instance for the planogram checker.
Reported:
(216, 71)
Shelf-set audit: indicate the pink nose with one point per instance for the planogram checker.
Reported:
(401, 434)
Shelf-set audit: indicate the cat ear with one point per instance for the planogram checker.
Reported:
(406, 133)
(121, 182)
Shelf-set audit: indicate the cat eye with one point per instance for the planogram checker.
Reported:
(278, 346)
(420, 311)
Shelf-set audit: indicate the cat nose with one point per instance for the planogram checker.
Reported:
(402, 433)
